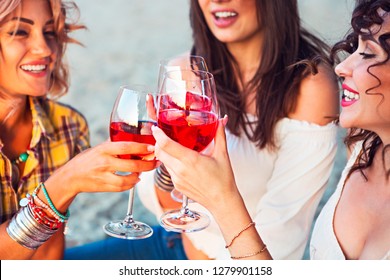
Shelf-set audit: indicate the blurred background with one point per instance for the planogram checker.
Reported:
(124, 43)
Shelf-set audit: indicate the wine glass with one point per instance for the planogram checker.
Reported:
(187, 112)
(181, 62)
(185, 62)
(131, 120)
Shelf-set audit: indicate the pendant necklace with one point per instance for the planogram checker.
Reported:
(15, 167)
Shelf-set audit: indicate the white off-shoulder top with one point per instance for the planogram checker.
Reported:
(281, 189)
(324, 244)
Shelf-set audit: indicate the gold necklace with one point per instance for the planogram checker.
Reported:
(15, 168)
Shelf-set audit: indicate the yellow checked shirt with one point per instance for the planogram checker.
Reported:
(59, 133)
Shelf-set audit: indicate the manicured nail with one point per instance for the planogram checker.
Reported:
(150, 148)
(225, 120)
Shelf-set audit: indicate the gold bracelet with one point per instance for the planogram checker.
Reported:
(251, 254)
(238, 234)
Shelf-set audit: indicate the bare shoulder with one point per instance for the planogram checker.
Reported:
(318, 98)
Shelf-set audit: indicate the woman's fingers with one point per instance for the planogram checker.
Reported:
(168, 145)
(125, 148)
(132, 165)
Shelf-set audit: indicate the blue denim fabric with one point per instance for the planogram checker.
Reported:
(162, 245)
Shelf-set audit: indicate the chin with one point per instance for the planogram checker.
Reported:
(38, 93)
(345, 122)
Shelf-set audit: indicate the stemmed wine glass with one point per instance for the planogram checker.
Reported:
(187, 112)
(181, 62)
(131, 120)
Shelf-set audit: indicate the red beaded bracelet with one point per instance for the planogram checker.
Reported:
(41, 217)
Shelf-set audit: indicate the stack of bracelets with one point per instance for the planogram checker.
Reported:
(31, 226)
(163, 179)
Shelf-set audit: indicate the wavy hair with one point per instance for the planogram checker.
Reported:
(65, 15)
(290, 53)
(365, 15)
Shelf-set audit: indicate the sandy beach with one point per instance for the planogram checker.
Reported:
(124, 43)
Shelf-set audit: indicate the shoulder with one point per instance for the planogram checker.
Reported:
(318, 98)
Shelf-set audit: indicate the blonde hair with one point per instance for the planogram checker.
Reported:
(61, 11)
(7, 6)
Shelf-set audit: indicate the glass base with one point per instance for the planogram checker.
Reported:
(184, 221)
(134, 230)
(178, 196)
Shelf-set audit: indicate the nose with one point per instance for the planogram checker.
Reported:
(40, 46)
(344, 68)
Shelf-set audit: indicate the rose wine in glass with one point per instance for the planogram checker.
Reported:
(181, 62)
(132, 120)
(187, 113)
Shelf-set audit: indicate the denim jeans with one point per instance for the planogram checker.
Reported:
(162, 245)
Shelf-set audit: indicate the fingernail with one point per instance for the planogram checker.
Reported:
(225, 120)
(150, 148)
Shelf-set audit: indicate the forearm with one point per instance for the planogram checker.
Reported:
(11, 250)
(52, 249)
(165, 199)
(240, 234)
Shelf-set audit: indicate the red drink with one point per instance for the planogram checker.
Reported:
(121, 131)
(193, 101)
(193, 129)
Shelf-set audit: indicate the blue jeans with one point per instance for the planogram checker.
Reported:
(162, 245)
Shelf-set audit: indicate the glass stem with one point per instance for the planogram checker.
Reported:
(184, 206)
(129, 215)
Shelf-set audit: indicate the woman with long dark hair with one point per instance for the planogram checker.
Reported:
(275, 82)
(354, 223)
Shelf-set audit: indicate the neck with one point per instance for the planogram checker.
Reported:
(247, 55)
(13, 112)
(15, 126)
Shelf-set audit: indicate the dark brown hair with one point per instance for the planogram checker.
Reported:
(364, 16)
(289, 54)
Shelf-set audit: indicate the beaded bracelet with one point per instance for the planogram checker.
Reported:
(41, 217)
(64, 217)
(47, 208)
(238, 234)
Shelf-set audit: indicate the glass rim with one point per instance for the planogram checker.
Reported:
(141, 88)
(167, 59)
(208, 75)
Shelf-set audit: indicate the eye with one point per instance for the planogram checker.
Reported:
(367, 55)
(18, 32)
(50, 34)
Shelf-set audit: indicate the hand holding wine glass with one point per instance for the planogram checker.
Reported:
(181, 62)
(132, 117)
(187, 112)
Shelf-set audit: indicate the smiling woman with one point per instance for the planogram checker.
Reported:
(44, 157)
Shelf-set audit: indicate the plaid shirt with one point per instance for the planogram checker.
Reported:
(59, 133)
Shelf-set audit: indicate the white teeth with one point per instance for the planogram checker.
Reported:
(349, 96)
(33, 67)
(225, 14)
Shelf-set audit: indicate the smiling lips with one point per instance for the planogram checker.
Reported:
(349, 97)
(35, 69)
(224, 18)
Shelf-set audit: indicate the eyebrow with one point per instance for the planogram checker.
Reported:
(29, 21)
